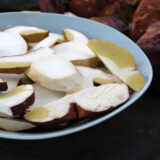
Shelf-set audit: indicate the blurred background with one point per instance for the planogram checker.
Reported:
(18, 5)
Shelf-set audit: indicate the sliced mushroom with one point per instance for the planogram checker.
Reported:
(79, 105)
(55, 73)
(15, 125)
(30, 34)
(18, 64)
(15, 102)
(3, 85)
(92, 75)
(76, 50)
(69, 14)
(49, 41)
(44, 96)
(119, 61)
(12, 44)
(11, 80)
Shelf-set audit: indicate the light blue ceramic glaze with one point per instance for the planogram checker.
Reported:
(94, 30)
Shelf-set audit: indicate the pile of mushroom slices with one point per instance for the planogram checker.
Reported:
(48, 79)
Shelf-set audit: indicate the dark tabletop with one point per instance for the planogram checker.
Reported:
(134, 134)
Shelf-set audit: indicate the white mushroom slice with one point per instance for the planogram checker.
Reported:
(11, 80)
(12, 44)
(91, 75)
(100, 99)
(19, 29)
(71, 51)
(31, 45)
(75, 36)
(15, 125)
(49, 41)
(79, 105)
(30, 34)
(44, 96)
(55, 73)
(120, 62)
(15, 102)
(18, 64)
(52, 114)
(76, 49)
(69, 14)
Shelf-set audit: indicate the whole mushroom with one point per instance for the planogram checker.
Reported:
(148, 12)
(86, 8)
(112, 21)
(55, 6)
(150, 43)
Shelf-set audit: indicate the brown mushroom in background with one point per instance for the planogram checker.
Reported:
(150, 43)
(132, 2)
(55, 6)
(122, 8)
(86, 8)
(112, 21)
(147, 13)
(91, 8)
(154, 27)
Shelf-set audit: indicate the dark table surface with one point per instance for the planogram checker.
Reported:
(134, 134)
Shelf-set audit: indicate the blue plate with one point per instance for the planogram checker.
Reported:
(94, 30)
